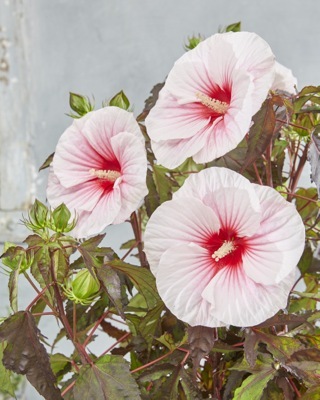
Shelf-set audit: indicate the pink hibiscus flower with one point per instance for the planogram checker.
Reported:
(206, 105)
(284, 79)
(224, 251)
(99, 170)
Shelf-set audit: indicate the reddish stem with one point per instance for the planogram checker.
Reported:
(137, 234)
(40, 294)
(40, 314)
(66, 390)
(81, 350)
(129, 251)
(96, 325)
(269, 166)
(257, 173)
(38, 291)
(294, 387)
(291, 124)
(151, 363)
(117, 342)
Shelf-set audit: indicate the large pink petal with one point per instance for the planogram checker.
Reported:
(184, 271)
(238, 300)
(74, 157)
(227, 133)
(104, 213)
(214, 179)
(84, 196)
(234, 209)
(106, 123)
(170, 120)
(172, 153)
(276, 247)
(185, 220)
(131, 154)
(256, 57)
(284, 79)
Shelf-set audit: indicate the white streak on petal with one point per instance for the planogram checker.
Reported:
(84, 196)
(240, 301)
(275, 249)
(177, 222)
(184, 271)
(131, 154)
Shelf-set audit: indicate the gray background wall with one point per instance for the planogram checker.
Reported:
(98, 47)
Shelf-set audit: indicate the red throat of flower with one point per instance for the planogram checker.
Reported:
(106, 177)
(226, 248)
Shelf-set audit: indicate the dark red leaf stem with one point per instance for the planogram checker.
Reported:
(62, 316)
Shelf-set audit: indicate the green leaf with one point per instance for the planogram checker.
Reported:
(273, 392)
(25, 354)
(112, 285)
(306, 259)
(307, 208)
(108, 379)
(235, 27)
(142, 279)
(281, 347)
(40, 269)
(120, 100)
(162, 181)
(128, 244)
(60, 364)
(13, 289)
(156, 372)
(152, 199)
(150, 323)
(313, 393)
(47, 162)
(6, 384)
(253, 386)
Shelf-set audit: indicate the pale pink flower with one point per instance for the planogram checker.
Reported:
(99, 170)
(224, 251)
(206, 105)
(284, 79)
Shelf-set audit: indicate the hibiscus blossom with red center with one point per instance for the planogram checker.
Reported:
(224, 251)
(99, 170)
(206, 105)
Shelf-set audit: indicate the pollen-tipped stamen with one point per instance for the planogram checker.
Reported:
(108, 175)
(227, 247)
(218, 106)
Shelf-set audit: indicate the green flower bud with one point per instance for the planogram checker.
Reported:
(83, 288)
(80, 104)
(120, 100)
(193, 42)
(60, 219)
(38, 215)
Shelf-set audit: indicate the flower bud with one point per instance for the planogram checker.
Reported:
(80, 104)
(83, 288)
(120, 100)
(193, 42)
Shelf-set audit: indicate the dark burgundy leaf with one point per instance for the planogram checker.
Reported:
(201, 340)
(25, 354)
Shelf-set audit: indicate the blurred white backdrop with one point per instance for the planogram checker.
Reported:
(49, 48)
